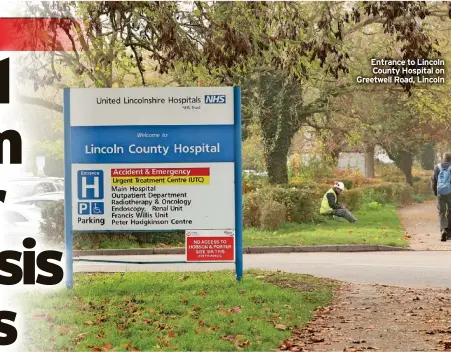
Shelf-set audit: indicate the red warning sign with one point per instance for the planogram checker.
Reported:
(210, 248)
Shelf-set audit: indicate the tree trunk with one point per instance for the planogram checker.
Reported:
(428, 157)
(369, 161)
(276, 157)
(276, 164)
(405, 162)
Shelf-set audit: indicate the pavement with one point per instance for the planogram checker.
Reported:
(421, 224)
(410, 269)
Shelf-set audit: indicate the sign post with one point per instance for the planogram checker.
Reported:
(153, 159)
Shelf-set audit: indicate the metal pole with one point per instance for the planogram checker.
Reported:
(238, 186)
(68, 191)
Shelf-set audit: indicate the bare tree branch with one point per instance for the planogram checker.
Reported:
(40, 102)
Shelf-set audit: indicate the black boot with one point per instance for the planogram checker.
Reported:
(444, 236)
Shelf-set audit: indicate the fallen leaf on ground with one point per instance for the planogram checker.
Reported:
(281, 327)
(95, 349)
(230, 338)
(39, 316)
(236, 310)
(64, 331)
(80, 337)
(317, 339)
(104, 348)
(244, 343)
(47, 317)
(129, 347)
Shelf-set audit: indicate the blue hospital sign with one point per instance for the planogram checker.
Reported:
(155, 159)
(90, 184)
(148, 159)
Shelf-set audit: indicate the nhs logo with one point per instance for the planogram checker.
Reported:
(215, 99)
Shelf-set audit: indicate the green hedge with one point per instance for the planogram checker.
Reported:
(353, 199)
(385, 193)
(301, 203)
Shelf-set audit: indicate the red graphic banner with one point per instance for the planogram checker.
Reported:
(158, 172)
(40, 34)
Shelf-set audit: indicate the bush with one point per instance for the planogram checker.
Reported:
(404, 194)
(394, 179)
(423, 188)
(418, 198)
(52, 224)
(374, 206)
(387, 170)
(273, 215)
(301, 202)
(353, 199)
(251, 209)
(253, 152)
(252, 182)
(383, 193)
(312, 170)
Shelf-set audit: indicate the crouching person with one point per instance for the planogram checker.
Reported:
(330, 205)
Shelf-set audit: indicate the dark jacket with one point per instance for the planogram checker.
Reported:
(435, 176)
(334, 205)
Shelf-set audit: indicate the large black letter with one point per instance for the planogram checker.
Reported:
(9, 330)
(7, 267)
(44, 265)
(4, 81)
(15, 146)
(29, 265)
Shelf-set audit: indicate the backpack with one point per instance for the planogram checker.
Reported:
(444, 181)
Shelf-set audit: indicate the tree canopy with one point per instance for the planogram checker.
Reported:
(293, 59)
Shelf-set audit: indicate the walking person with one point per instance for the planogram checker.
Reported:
(441, 186)
(330, 205)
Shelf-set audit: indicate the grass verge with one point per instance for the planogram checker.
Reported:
(174, 311)
(377, 225)
(380, 225)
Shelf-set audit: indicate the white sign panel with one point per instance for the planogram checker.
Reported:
(149, 196)
(146, 159)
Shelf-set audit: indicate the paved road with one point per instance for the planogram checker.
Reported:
(413, 269)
